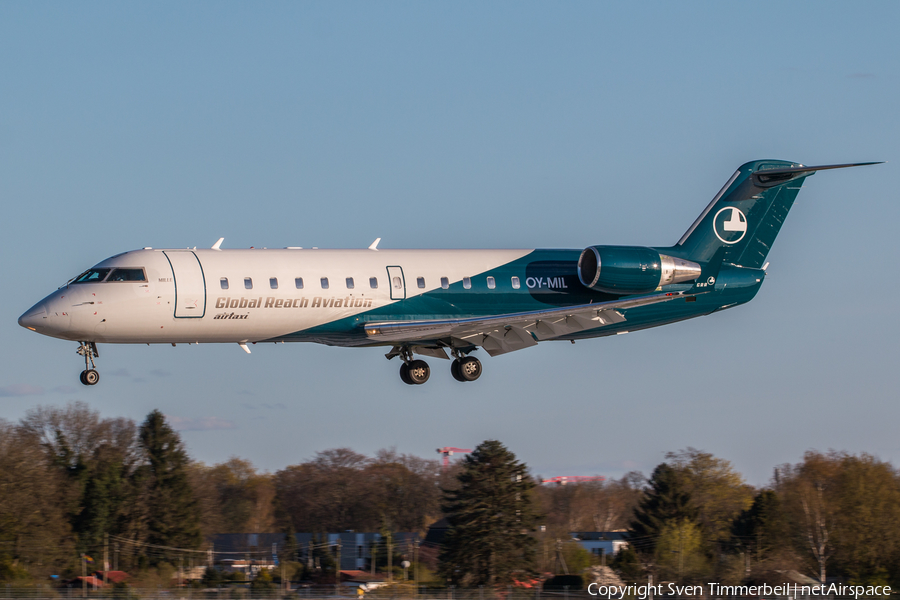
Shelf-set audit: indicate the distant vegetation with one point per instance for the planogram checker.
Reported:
(69, 478)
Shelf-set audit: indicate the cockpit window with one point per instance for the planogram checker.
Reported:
(92, 276)
(127, 275)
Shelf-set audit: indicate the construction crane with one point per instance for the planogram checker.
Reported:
(564, 479)
(447, 452)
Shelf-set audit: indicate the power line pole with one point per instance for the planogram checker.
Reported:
(337, 568)
(416, 565)
(390, 557)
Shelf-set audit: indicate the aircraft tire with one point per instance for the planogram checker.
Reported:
(470, 368)
(81, 378)
(90, 377)
(419, 372)
(404, 374)
(454, 370)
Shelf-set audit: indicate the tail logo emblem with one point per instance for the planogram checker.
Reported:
(730, 225)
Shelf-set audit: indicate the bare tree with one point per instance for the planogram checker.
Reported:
(817, 523)
(808, 489)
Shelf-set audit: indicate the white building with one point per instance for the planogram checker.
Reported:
(601, 543)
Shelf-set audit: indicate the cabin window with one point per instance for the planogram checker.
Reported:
(92, 276)
(420, 282)
(445, 283)
(373, 283)
(467, 283)
(515, 282)
(248, 283)
(127, 275)
(223, 283)
(349, 283)
(324, 282)
(492, 283)
(273, 283)
(398, 283)
(298, 283)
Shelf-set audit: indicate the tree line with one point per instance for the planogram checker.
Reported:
(70, 480)
(833, 514)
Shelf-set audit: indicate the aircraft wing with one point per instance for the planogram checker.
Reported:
(499, 334)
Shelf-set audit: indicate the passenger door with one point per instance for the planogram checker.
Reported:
(397, 283)
(190, 284)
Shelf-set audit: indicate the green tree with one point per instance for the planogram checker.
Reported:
(679, 551)
(491, 516)
(263, 581)
(108, 492)
(867, 524)
(717, 492)
(627, 564)
(762, 531)
(35, 535)
(289, 549)
(172, 515)
(666, 499)
(212, 577)
(845, 513)
(96, 458)
(577, 558)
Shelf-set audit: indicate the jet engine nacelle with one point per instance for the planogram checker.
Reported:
(632, 269)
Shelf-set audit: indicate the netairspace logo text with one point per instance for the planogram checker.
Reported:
(643, 592)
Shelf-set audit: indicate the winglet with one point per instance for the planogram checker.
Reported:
(374, 245)
(244, 347)
(217, 244)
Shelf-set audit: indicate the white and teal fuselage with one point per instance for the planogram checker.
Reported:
(183, 300)
(428, 302)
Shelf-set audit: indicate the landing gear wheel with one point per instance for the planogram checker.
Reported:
(88, 350)
(404, 374)
(469, 368)
(418, 372)
(454, 370)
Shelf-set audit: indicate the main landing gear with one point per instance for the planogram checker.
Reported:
(88, 350)
(465, 368)
(412, 371)
(416, 372)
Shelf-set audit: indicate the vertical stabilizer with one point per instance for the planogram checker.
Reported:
(740, 225)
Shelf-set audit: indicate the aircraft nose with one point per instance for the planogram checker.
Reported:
(34, 317)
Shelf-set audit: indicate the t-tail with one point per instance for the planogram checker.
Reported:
(740, 225)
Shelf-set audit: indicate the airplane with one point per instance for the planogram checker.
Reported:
(428, 302)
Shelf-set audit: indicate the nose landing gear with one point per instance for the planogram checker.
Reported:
(88, 350)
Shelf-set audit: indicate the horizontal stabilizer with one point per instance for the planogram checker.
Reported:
(741, 223)
(774, 176)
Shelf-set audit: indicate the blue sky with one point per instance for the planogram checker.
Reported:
(442, 125)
